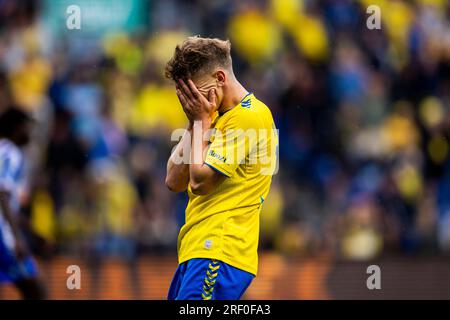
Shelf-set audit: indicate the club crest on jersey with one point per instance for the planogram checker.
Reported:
(246, 103)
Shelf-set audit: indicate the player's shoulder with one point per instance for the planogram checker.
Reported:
(252, 112)
(251, 103)
(10, 151)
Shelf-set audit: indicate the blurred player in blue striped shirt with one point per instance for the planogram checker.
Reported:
(16, 264)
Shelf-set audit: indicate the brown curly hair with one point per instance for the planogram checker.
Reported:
(197, 55)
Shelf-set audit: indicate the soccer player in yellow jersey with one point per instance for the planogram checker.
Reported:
(225, 160)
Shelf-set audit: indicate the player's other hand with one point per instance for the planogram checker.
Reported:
(196, 106)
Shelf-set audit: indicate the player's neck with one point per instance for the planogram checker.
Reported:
(234, 95)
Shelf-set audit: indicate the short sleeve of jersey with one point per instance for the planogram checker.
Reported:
(232, 144)
(10, 169)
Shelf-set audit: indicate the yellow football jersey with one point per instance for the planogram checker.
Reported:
(224, 224)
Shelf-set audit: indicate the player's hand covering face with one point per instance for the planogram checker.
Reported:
(196, 106)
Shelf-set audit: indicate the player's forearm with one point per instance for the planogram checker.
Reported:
(199, 174)
(177, 178)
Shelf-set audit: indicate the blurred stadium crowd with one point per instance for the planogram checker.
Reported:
(363, 117)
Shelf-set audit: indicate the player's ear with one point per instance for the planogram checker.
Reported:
(220, 77)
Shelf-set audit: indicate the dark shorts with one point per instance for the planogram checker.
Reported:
(207, 279)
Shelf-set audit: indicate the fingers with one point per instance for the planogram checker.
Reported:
(194, 103)
(184, 102)
(212, 97)
(194, 89)
(181, 97)
(185, 89)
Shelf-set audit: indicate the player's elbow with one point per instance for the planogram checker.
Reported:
(174, 185)
(200, 189)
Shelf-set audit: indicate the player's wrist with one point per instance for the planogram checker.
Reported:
(203, 121)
